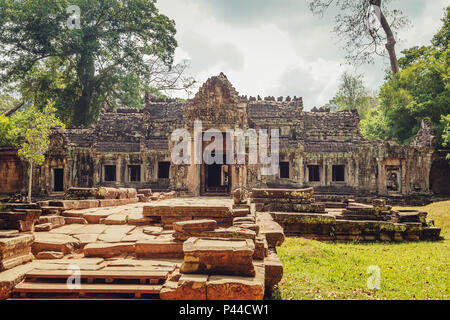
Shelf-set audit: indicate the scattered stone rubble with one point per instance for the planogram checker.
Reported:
(182, 248)
(298, 215)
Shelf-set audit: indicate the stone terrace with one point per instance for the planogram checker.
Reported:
(137, 249)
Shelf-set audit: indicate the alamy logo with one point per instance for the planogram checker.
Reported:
(235, 151)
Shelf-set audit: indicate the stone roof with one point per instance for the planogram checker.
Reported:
(331, 121)
(263, 110)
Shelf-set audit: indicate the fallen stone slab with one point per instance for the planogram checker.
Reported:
(46, 241)
(72, 220)
(108, 250)
(119, 229)
(234, 232)
(49, 255)
(94, 217)
(222, 287)
(73, 213)
(195, 226)
(159, 248)
(86, 238)
(116, 219)
(55, 220)
(137, 235)
(154, 231)
(89, 229)
(43, 227)
(10, 278)
(138, 219)
(218, 256)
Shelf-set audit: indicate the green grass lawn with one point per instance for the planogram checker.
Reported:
(414, 270)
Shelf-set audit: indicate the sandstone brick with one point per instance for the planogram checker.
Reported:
(218, 256)
(159, 248)
(220, 287)
(72, 220)
(108, 250)
(195, 225)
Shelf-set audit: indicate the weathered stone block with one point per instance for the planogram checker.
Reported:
(273, 270)
(50, 255)
(43, 227)
(283, 193)
(218, 256)
(234, 232)
(235, 287)
(72, 220)
(159, 248)
(108, 250)
(195, 226)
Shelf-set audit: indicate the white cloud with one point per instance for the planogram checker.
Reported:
(277, 47)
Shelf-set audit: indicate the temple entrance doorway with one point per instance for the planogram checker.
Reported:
(58, 180)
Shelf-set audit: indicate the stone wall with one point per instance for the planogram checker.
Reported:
(330, 143)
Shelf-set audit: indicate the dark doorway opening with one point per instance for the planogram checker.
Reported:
(134, 173)
(58, 180)
(163, 169)
(314, 173)
(284, 170)
(217, 177)
(339, 173)
(110, 173)
(214, 175)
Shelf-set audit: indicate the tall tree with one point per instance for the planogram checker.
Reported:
(353, 94)
(78, 51)
(37, 139)
(365, 25)
(420, 90)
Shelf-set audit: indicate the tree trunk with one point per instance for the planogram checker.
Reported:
(10, 112)
(82, 108)
(86, 73)
(30, 179)
(390, 45)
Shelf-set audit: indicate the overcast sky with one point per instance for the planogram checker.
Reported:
(278, 47)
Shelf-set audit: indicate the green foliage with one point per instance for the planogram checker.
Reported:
(352, 95)
(5, 129)
(37, 135)
(7, 102)
(445, 123)
(82, 68)
(420, 90)
(374, 126)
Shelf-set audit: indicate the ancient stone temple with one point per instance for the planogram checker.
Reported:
(320, 149)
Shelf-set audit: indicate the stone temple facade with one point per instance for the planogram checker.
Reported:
(320, 149)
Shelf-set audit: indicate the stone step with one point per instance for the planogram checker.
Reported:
(25, 288)
(195, 225)
(108, 250)
(109, 276)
